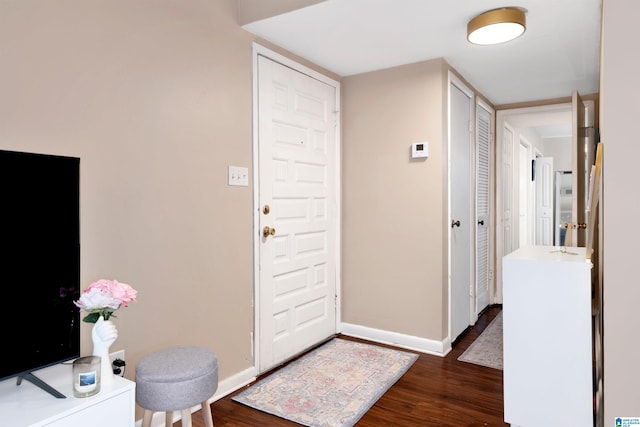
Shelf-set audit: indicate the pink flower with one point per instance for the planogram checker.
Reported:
(103, 297)
(120, 292)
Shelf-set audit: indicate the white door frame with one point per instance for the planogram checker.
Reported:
(524, 175)
(259, 50)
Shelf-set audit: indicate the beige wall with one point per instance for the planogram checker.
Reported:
(393, 266)
(155, 98)
(619, 130)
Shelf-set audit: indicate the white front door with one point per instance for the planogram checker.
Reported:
(460, 179)
(297, 207)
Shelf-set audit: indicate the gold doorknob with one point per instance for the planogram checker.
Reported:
(582, 225)
(268, 231)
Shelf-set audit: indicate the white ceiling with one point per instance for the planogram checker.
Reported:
(558, 53)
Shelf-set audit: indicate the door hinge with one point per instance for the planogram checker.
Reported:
(586, 132)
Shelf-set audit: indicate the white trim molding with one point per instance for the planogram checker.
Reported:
(409, 342)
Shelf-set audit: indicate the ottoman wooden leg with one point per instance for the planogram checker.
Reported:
(186, 417)
(146, 418)
(206, 413)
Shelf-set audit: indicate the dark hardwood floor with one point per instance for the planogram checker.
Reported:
(435, 391)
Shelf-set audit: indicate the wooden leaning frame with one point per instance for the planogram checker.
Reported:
(594, 196)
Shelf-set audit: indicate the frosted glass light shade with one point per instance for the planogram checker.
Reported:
(496, 26)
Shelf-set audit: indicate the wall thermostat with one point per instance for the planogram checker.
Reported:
(420, 149)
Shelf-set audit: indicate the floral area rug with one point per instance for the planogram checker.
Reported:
(333, 385)
(486, 350)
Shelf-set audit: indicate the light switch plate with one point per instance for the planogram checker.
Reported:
(238, 176)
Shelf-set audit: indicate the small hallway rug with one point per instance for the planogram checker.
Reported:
(333, 385)
(486, 350)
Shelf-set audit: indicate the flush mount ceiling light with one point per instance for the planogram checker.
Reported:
(496, 26)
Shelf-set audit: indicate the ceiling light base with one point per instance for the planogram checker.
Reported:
(497, 26)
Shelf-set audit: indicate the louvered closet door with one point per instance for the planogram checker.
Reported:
(483, 171)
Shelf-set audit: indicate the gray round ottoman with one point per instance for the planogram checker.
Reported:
(176, 379)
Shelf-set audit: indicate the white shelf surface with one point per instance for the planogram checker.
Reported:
(29, 405)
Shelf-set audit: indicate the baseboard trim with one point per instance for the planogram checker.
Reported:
(410, 342)
(234, 382)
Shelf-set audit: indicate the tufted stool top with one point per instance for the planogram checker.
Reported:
(176, 378)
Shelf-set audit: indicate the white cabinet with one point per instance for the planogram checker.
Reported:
(547, 333)
(28, 405)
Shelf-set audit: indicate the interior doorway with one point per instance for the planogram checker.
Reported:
(547, 130)
(563, 132)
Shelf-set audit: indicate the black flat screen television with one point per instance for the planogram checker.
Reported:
(39, 263)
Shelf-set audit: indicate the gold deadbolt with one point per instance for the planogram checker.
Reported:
(266, 209)
(268, 231)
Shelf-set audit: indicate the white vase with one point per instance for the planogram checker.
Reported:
(103, 334)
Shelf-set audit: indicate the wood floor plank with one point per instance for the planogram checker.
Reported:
(435, 391)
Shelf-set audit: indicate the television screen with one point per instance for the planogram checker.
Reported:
(39, 261)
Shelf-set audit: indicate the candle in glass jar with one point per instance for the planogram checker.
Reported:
(86, 376)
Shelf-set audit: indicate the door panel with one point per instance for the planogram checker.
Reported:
(297, 172)
(524, 195)
(483, 203)
(504, 201)
(507, 191)
(544, 201)
(461, 238)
